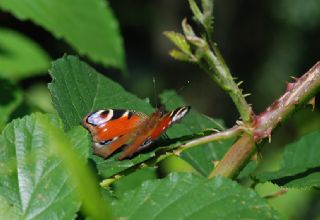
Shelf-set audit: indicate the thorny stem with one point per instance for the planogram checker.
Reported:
(297, 94)
(225, 80)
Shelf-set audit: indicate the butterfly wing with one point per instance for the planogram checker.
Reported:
(168, 119)
(112, 128)
(152, 128)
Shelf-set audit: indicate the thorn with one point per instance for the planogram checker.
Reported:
(260, 155)
(215, 162)
(239, 83)
(294, 78)
(176, 152)
(269, 138)
(312, 102)
(289, 86)
(240, 123)
(212, 129)
(248, 94)
(254, 157)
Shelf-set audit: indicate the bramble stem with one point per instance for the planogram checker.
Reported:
(224, 79)
(235, 158)
(297, 94)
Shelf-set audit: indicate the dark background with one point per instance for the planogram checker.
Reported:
(263, 43)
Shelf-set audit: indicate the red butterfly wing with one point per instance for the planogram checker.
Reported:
(152, 128)
(167, 120)
(112, 128)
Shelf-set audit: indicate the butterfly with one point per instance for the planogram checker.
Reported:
(112, 129)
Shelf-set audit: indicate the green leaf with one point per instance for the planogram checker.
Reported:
(8, 102)
(33, 181)
(207, 6)
(179, 40)
(178, 55)
(134, 180)
(185, 196)
(300, 164)
(89, 26)
(87, 187)
(78, 89)
(196, 11)
(200, 157)
(20, 57)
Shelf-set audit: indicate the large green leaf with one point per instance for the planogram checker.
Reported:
(185, 196)
(34, 184)
(200, 157)
(300, 166)
(75, 164)
(88, 25)
(134, 180)
(19, 56)
(78, 89)
(10, 99)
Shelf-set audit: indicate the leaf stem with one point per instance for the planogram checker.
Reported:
(223, 135)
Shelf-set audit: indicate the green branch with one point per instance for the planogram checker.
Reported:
(201, 50)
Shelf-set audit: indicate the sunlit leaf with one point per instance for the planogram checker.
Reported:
(40, 164)
(75, 164)
(33, 182)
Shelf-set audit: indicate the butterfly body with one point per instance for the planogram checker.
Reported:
(113, 128)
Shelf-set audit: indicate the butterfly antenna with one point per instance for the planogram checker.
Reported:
(155, 91)
(178, 91)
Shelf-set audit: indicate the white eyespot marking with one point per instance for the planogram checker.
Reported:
(96, 119)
